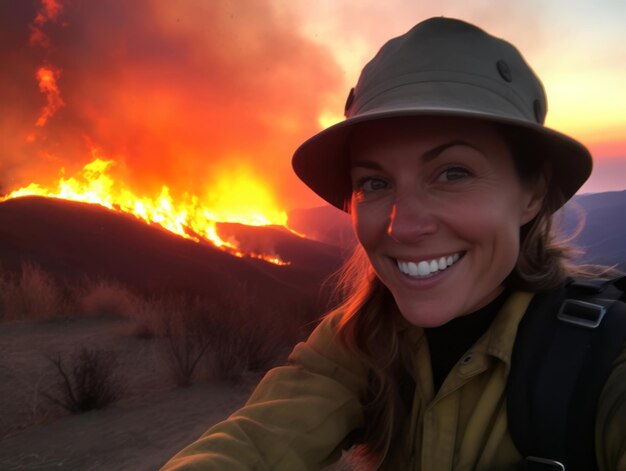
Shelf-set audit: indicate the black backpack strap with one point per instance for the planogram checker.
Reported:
(563, 354)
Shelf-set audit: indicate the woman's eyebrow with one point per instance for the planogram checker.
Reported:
(427, 156)
(435, 151)
(366, 164)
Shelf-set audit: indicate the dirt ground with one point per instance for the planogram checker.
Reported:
(152, 422)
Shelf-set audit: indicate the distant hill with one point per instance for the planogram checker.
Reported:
(77, 240)
(325, 223)
(603, 236)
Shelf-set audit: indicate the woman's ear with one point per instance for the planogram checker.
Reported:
(534, 196)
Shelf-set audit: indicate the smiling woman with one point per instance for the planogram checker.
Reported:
(451, 179)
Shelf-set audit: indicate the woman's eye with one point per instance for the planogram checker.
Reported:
(368, 185)
(453, 174)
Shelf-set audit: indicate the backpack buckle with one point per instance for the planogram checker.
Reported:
(534, 463)
(581, 313)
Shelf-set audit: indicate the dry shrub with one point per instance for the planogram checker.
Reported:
(89, 382)
(227, 358)
(184, 324)
(107, 298)
(229, 336)
(240, 347)
(32, 293)
(249, 335)
(236, 333)
(148, 318)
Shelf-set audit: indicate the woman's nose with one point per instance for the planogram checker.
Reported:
(411, 219)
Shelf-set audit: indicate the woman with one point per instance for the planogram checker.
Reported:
(451, 180)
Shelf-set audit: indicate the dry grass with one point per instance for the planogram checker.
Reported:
(190, 340)
(33, 293)
(219, 338)
(227, 337)
(107, 298)
(30, 294)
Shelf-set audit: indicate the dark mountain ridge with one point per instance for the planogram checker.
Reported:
(77, 240)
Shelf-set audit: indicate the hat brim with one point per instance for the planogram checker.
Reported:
(322, 161)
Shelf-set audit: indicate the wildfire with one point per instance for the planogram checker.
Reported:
(188, 216)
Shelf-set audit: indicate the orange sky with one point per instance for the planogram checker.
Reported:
(575, 46)
(190, 93)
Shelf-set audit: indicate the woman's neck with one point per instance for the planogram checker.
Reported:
(449, 342)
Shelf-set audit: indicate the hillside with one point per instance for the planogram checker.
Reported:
(76, 240)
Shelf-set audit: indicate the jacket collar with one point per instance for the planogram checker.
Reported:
(497, 342)
(500, 337)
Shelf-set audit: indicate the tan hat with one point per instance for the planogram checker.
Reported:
(443, 67)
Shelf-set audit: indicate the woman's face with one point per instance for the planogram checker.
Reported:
(437, 205)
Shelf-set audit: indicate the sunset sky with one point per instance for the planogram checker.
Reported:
(196, 93)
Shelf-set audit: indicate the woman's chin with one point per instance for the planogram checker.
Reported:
(427, 315)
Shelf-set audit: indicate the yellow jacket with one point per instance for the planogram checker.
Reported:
(299, 415)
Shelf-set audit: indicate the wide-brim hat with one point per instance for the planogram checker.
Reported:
(444, 67)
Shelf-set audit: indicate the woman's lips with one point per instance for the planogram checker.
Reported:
(427, 268)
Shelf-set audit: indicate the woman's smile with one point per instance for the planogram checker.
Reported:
(428, 267)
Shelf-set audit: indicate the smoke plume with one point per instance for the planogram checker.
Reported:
(177, 93)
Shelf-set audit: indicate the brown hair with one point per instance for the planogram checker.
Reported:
(366, 328)
(368, 308)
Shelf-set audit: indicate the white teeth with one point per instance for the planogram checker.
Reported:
(442, 263)
(425, 269)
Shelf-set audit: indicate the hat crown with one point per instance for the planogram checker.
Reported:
(450, 50)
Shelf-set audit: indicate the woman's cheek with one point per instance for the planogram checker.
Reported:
(370, 224)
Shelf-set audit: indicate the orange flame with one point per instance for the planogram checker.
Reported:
(188, 217)
(47, 77)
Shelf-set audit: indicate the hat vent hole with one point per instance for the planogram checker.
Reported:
(504, 70)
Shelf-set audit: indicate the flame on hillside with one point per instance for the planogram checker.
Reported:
(240, 200)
